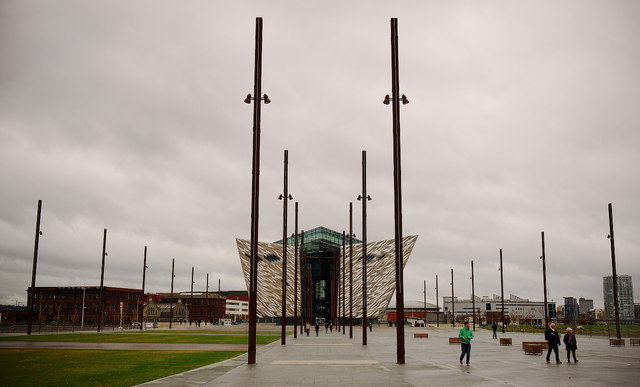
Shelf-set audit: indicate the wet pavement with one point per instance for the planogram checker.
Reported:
(334, 359)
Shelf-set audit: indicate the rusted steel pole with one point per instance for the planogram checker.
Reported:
(425, 303)
(615, 275)
(501, 291)
(453, 304)
(473, 298)
(144, 274)
(364, 247)
(173, 261)
(295, 279)
(351, 270)
(544, 282)
(285, 198)
(101, 303)
(191, 300)
(32, 289)
(255, 202)
(207, 302)
(437, 305)
(344, 251)
(397, 191)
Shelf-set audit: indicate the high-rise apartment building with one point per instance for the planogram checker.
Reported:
(625, 297)
(585, 305)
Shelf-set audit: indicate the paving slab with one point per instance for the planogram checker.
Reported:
(334, 359)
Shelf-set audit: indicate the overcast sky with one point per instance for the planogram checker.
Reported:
(523, 117)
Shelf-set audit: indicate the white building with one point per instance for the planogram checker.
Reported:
(237, 309)
(518, 309)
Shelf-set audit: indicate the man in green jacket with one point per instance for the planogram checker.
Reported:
(465, 335)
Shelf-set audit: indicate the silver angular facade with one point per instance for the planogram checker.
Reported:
(380, 276)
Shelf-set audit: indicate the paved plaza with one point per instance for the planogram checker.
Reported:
(334, 359)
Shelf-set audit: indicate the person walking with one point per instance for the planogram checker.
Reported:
(326, 327)
(465, 335)
(494, 327)
(307, 328)
(317, 328)
(570, 345)
(553, 340)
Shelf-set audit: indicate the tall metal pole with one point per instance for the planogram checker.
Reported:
(473, 298)
(615, 276)
(84, 290)
(425, 303)
(501, 291)
(364, 246)
(207, 301)
(303, 284)
(344, 252)
(144, 273)
(351, 270)
(453, 304)
(437, 305)
(544, 281)
(173, 261)
(397, 191)
(101, 303)
(255, 183)
(285, 198)
(295, 280)
(191, 300)
(32, 290)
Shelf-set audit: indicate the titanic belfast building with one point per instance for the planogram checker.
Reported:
(322, 267)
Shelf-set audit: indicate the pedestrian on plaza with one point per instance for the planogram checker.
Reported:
(370, 326)
(570, 345)
(326, 327)
(465, 335)
(317, 328)
(307, 328)
(331, 327)
(553, 340)
(494, 327)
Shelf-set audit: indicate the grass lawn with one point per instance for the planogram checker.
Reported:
(588, 329)
(181, 338)
(55, 367)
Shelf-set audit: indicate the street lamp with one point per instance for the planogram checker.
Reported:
(284, 197)
(364, 198)
(453, 306)
(615, 275)
(171, 299)
(144, 272)
(397, 186)
(255, 183)
(501, 291)
(544, 281)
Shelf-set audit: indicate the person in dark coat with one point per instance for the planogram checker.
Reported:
(317, 328)
(570, 345)
(494, 327)
(553, 340)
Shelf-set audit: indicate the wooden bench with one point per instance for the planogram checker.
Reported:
(543, 344)
(634, 342)
(532, 349)
(616, 342)
(505, 341)
(418, 335)
(454, 340)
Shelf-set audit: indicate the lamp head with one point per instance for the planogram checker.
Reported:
(386, 99)
(266, 99)
(248, 99)
(405, 100)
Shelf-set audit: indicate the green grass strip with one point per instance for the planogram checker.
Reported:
(144, 338)
(55, 367)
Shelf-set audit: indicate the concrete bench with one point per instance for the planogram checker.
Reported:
(505, 341)
(543, 344)
(454, 340)
(634, 342)
(420, 335)
(532, 349)
(616, 342)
